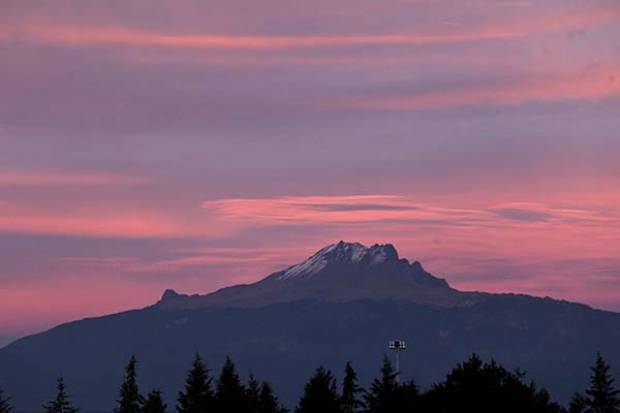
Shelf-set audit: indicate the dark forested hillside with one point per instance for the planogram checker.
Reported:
(552, 341)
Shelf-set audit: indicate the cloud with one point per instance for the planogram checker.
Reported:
(64, 179)
(598, 83)
(125, 36)
(139, 224)
(360, 207)
(129, 37)
(523, 214)
(233, 217)
(311, 209)
(96, 213)
(369, 209)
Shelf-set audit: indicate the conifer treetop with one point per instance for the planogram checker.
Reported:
(61, 403)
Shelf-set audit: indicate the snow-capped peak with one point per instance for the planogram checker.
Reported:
(342, 252)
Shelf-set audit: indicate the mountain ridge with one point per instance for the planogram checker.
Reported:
(339, 272)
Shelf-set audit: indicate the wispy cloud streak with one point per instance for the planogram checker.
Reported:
(128, 37)
(106, 35)
(356, 209)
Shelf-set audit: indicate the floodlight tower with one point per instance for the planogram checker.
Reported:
(397, 346)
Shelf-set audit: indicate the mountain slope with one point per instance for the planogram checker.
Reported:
(342, 304)
(337, 273)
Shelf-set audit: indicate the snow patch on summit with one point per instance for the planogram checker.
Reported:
(342, 252)
(311, 266)
(358, 251)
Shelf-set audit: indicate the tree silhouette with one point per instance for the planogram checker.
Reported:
(231, 394)
(154, 403)
(252, 395)
(61, 403)
(320, 394)
(382, 397)
(198, 396)
(487, 387)
(268, 402)
(407, 397)
(602, 396)
(471, 386)
(349, 400)
(5, 403)
(131, 401)
(578, 403)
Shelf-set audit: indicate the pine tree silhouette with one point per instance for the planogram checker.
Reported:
(5, 403)
(349, 400)
(320, 394)
(268, 402)
(154, 403)
(231, 394)
(131, 401)
(602, 395)
(382, 397)
(198, 396)
(61, 403)
(252, 395)
(578, 403)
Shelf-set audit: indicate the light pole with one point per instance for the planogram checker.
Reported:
(397, 346)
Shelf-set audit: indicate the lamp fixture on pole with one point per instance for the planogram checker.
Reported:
(397, 346)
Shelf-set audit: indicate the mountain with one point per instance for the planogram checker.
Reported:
(337, 273)
(343, 303)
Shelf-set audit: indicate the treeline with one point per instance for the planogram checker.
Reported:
(472, 386)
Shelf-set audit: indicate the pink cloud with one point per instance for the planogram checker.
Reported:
(350, 208)
(125, 224)
(373, 208)
(128, 37)
(106, 35)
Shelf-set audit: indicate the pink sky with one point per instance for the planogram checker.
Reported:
(146, 146)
